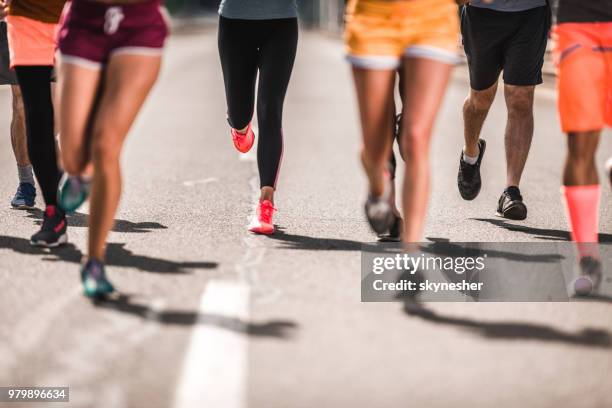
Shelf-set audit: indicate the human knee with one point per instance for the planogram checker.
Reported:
(415, 142)
(519, 99)
(106, 146)
(482, 100)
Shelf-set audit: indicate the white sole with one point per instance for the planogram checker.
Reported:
(63, 240)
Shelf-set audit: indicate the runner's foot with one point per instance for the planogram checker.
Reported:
(53, 230)
(243, 141)
(261, 223)
(589, 279)
(25, 197)
(511, 204)
(73, 192)
(468, 179)
(93, 277)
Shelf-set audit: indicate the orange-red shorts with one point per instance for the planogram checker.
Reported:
(379, 33)
(583, 54)
(31, 42)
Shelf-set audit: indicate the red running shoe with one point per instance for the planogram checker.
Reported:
(243, 141)
(262, 220)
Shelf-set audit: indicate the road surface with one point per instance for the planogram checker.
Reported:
(211, 316)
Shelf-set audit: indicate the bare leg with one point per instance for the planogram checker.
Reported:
(79, 87)
(128, 82)
(475, 111)
(424, 88)
(519, 130)
(18, 129)
(580, 168)
(375, 96)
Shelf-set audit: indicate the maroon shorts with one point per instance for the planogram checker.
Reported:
(91, 32)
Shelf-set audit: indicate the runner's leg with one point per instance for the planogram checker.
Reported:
(374, 93)
(35, 83)
(475, 111)
(425, 85)
(79, 89)
(129, 78)
(238, 50)
(276, 59)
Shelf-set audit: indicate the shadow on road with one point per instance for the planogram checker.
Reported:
(275, 328)
(538, 233)
(443, 247)
(588, 337)
(117, 255)
(81, 220)
(292, 241)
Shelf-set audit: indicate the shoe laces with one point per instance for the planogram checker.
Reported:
(514, 194)
(24, 189)
(266, 211)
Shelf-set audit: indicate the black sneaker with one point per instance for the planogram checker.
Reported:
(511, 204)
(468, 179)
(53, 230)
(395, 231)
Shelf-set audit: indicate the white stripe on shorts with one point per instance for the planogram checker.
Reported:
(146, 51)
(81, 62)
(382, 62)
(431, 52)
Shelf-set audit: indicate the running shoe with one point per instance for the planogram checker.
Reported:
(511, 205)
(395, 231)
(25, 197)
(53, 230)
(609, 169)
(93, 277)
(589, 277)
(243, 141)
(261, 222)
(73, 192)
(468, 179)
(378, 210)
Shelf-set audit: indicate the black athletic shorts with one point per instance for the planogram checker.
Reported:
(7, 75)
(513, 42)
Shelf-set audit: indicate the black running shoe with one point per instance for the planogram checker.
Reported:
(53, 230)
(511, 204)
(468, 179)
(589, 277)
(395, 231)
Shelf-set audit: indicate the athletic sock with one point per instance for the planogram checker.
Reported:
(582, 209)
(25, 174)
(469, 159)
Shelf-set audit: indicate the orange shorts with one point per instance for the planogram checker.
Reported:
(379, 33)
(31, 42)
(583, 54)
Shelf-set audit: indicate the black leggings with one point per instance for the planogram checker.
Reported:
(267, 46)
(35, 84)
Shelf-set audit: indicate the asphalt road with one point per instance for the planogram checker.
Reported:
(211, 316)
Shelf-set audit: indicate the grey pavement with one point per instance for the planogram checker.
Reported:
(307, 340)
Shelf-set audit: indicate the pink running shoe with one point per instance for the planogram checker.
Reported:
(243, 141)
(262, 221)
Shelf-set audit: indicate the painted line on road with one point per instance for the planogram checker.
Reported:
(214, 371)
(192, 183)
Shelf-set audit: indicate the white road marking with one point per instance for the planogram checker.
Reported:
(192, 183)
(215, 369)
